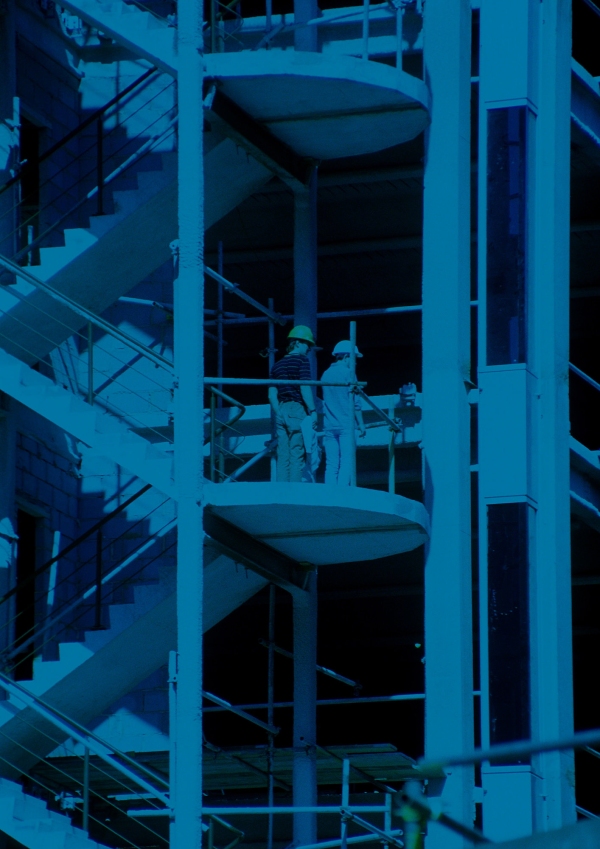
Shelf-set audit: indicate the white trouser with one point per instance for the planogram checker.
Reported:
(338, 456)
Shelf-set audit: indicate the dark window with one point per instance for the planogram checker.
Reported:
(506, 235)
(25, 596)
(508, 623)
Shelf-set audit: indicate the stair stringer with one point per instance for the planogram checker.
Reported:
(90, 676)
(118, 251)
(28, 821)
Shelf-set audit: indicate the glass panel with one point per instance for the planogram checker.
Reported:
(508, 623)
(506, 235)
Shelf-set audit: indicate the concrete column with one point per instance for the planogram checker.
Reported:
(189, 416)
(446, 330)
(526, 680)
(8, 137)
(305, 258)
(305, 712)
(7, 508)
(305, 38)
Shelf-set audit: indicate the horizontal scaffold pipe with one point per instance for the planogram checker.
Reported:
(323, 809)
(265, 381)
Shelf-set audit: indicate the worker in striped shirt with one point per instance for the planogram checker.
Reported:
(291, 404)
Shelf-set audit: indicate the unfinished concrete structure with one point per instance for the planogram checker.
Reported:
(194, 654)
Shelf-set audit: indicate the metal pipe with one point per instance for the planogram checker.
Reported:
(272, 352)
(350, 841)
(172, 685)
(387, 838)
(393, 425)
(251, 462)
(359, 700)
(235, 289)
(352, 401)
(392, 458)
(87, 738)
(90, 329)
(260, 381)
(365, 30)
(212, 435)
(270, 701)
(287, 809)
(85, 822)
(85, 314)
(584, 376)
(345, 801)
(100, 165)
(270, 729)
(267, 644)
(518, 750)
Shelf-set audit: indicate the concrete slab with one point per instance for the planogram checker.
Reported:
(322, 523)
(323, 106)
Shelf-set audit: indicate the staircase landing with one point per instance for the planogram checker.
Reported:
(321, 106)
(322, 523)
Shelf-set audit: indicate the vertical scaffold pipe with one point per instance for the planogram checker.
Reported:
(189, 415)
(304, 775)
(352, 402)
(305, 259)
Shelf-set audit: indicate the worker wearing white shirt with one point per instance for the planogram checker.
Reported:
(337, 420)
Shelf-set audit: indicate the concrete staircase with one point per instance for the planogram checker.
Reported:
(143, 33)
(28, 821)
(91, 675)
(99, 429)
(132, 242)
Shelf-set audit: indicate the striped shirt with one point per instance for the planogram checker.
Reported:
(291, 367)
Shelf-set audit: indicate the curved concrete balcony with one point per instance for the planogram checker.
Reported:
(322, 523)
(323, 107)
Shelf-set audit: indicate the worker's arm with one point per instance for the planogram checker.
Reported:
(274, 400)
(309, 403)
(360, 422)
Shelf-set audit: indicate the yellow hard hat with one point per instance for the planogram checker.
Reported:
(302, 332)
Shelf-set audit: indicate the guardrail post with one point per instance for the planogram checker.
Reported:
(271, 349)
(270, 709)
(86, 790)
(212, 434)
(399, 10)
(352, 402)
(100, 165)
(345, 801)
(392, 456)
(90, 340)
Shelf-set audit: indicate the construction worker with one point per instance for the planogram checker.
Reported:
(291, 404)
(338, 422)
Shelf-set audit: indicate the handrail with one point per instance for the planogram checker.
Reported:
(584, 376)
(12, 651)
(86, 123)
(230, 422)
(141, 151)
(235, 289)
(88, 739)
(88, 315)
(74, 544)
(393, 425)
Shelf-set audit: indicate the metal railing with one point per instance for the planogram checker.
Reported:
(86, 173)
(588, 432)
(101, 764)
(227, 29)
(65, 606)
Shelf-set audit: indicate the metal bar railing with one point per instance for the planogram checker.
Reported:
(98, 113)
(138, 154)
(101, 748)
(86, 314)
(584, 376)
(76, 542)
